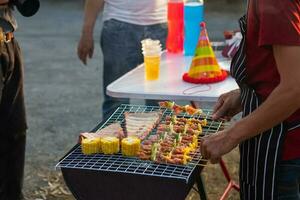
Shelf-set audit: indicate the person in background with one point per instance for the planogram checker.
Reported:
(12, 110)
(267, 69)
(125, 24)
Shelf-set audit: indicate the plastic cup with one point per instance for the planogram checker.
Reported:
(151, 50)
(152, 65)
(149, 42)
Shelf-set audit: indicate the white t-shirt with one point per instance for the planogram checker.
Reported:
(141, 12)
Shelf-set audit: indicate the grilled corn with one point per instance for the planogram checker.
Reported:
(110, 145)
(90, 146)
(130, 146)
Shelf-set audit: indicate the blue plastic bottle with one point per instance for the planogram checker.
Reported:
(193, 16)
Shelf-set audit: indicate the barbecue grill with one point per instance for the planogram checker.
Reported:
(100, 176)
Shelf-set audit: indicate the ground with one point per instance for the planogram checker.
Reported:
(63, 97)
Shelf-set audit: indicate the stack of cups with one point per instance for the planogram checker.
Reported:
(152, 51)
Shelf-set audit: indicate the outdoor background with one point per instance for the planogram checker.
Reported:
(63, 97)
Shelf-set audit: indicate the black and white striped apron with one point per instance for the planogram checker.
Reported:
(259, 156)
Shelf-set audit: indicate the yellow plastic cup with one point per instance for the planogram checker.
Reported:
(152, 67)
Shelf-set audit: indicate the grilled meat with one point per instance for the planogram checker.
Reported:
(141, 124)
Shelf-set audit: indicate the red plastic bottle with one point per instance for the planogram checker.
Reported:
(175, 26)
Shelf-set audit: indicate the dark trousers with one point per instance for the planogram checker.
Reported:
(121, 47)
(12, 121)
(12, 154)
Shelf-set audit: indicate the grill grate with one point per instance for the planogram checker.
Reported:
(121, 164)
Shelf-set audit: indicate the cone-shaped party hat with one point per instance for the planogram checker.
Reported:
(204, 67)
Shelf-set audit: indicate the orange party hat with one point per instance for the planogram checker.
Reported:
(204, 67)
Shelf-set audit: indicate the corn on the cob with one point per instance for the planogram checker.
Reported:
(110, 145)
(90, 146)
(130, 146)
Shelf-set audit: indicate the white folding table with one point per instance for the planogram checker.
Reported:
(171, 86)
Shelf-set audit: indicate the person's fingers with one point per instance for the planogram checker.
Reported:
(82, 57)
(84, 60)
(207, 154)
(85, 50)
(203, 152)
(79, 51)
(203, 149)
(82, 54)
(200, 140)
(217, 106)
(221, 112)
(91, 52)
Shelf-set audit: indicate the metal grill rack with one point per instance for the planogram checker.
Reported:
(121, 164)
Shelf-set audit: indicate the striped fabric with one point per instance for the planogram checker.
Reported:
(260, 155)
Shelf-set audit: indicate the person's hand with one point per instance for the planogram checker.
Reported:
(85, 48)
(228, 105)
(214, 146)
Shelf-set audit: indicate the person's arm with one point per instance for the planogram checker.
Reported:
(86, 43)
(282, 102)
(91, 11)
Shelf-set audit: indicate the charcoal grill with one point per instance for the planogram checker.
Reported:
(111, 177)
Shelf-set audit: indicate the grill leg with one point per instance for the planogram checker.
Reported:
(231, 184)
(201, 188)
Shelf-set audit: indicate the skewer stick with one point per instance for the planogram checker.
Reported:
(201, 165)
(203, 159)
